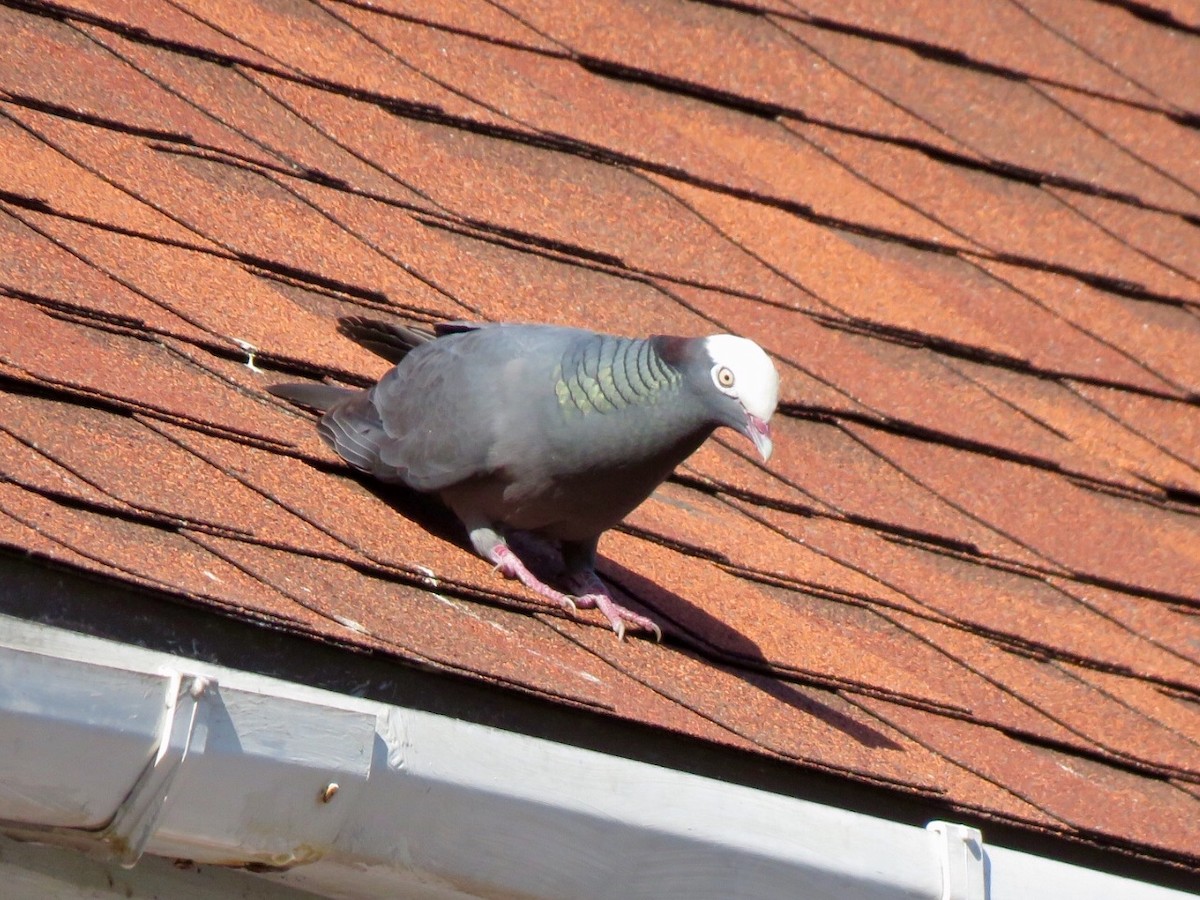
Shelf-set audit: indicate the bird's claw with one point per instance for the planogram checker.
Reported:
(618, 616)
(589, 592)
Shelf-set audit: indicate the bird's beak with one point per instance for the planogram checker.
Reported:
(759, 432)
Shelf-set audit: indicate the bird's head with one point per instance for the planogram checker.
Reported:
(744, 387)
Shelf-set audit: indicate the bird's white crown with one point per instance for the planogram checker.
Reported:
(743, 370)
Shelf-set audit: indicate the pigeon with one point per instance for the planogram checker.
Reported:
(556, 431)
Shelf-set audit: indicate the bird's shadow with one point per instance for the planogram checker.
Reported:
(688, 628)
(706, 637)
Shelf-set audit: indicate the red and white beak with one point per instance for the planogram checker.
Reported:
(759, 431)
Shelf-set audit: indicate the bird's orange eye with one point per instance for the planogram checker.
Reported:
(725, 377)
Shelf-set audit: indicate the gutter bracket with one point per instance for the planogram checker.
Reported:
(133, 824)
(960, 850)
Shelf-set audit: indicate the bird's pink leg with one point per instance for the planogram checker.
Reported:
(590, 592)
(509, 565)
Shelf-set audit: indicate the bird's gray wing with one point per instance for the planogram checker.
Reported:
(445, 408)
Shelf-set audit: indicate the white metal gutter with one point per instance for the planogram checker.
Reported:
(110, 747)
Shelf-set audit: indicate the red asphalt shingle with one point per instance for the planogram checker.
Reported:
(968, 574)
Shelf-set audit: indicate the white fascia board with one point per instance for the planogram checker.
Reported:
(362, 799)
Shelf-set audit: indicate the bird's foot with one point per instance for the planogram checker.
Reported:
(590, 591)
(509, 565)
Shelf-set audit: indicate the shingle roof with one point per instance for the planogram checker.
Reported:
(966, 232)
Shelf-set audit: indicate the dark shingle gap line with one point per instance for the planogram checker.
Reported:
(409, 311)
(697, 643)
(96, 121)
(453, 29)
(230, 35)
(1126, 426)
(1088, 748)
(122, 506)
(757, 740)
(351, 152)
(444, 85)
(517, 239)
(1162, 684)
(1052, 567)
(361, 559)
(1184, 497)
(779, 580)
(1118, 146)
(779, 113)
(127, 514)
(1093, 335)
(935, 52)
(1153, 493)
(970, 260)
(1192, 694)
(219, 250)
(896, 334)
(573, 146)
(1004, 639)
(289, 274)
(567, 144)
(60, 390)
(887, 530)
(1104, 840)
(936, 436)
(75, 18)
(139, 35)
(947, 348)
(681, 702)
(119, 508)
(288, 164)
(1004, 168)
(378, 298)
(1152, 14)
(71, 312)
(1099, 60)
(978, 161)
(407, 652)
(923, 433)
(132, 327)
(1187, 697)
(106, 568)
(9, 203)
(221, 345)
(582, 257)
(776, 112)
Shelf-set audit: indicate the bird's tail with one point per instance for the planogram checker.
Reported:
(350, 426)
(316, 396)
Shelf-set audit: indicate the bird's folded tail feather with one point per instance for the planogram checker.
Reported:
(351, 426)
(316, 396)
(355, 432)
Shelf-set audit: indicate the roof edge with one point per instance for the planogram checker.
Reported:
(337, 794)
